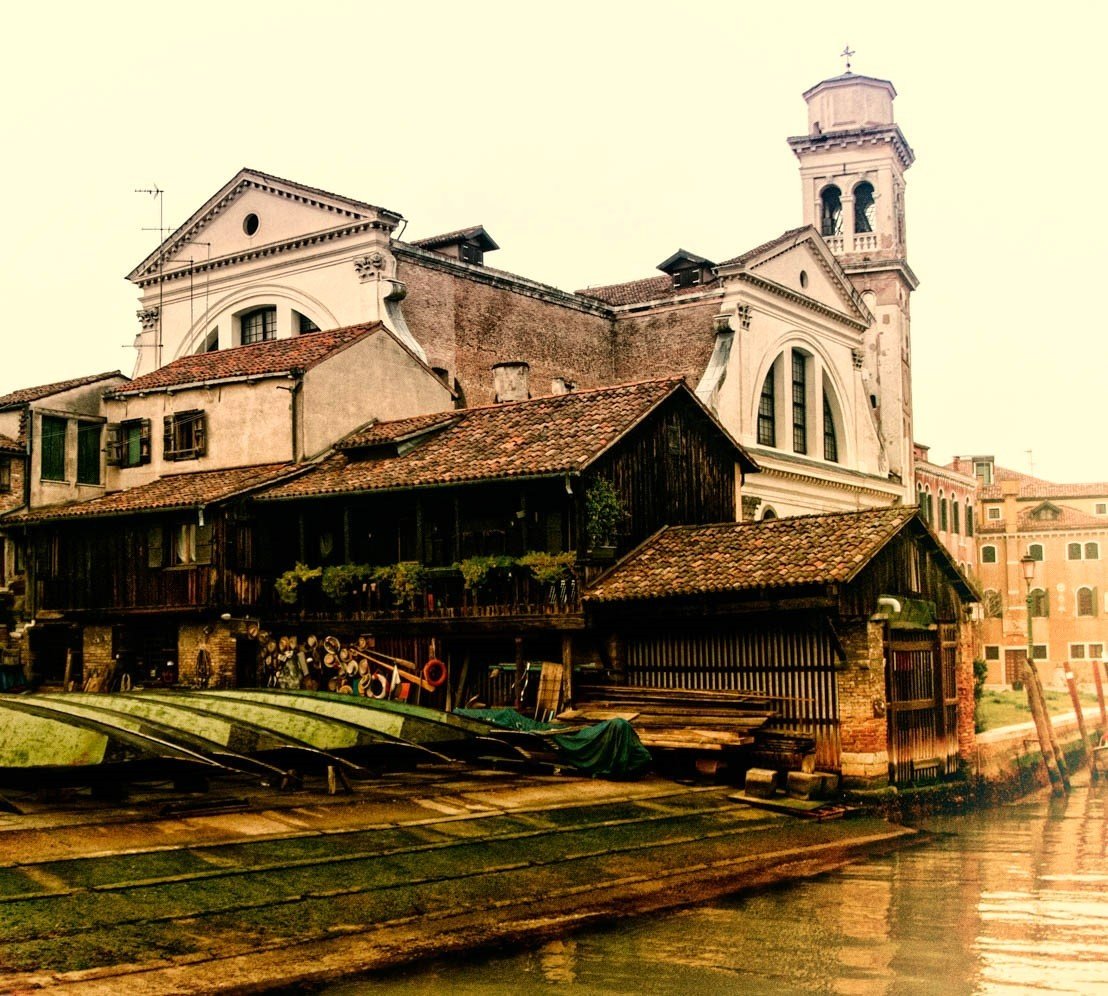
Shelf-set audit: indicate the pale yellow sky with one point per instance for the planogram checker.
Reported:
(592, 140)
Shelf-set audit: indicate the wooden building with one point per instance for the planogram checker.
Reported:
(852, 624)
(396, 516)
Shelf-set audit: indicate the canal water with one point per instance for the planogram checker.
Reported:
(1010, 900)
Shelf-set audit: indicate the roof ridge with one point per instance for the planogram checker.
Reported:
(501, 405)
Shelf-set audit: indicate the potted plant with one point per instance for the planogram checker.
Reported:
(603, 513)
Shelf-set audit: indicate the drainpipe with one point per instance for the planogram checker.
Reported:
(297, 377)
(30, 431)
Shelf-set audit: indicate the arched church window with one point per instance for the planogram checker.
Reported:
(259, 325)
(800, 401)
(955, 522)
(767, 415)
(831, 211)
(865, 209)
(830, 443)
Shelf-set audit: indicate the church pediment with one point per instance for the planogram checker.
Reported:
(800, 262)
(254, 210)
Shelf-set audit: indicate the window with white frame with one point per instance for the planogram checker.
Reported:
(1039, 603)
(1086, 601)
(1035, 551)
(1101, 508)
(992, 512)
(1092, 551)
(1040, 652)
(1073, 551)
(992, 653)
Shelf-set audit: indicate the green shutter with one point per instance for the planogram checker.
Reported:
(53, 448)
(88, 452)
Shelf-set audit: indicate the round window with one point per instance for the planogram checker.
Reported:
(250, 224)
(803, 278)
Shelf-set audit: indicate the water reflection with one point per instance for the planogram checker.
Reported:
(1013, 900)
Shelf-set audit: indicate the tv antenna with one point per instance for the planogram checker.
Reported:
(159, 195)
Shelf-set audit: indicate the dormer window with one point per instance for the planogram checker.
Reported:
(470, 252)
(686, 269)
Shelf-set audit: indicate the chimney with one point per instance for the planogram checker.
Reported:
(511, 381)
(559, 385)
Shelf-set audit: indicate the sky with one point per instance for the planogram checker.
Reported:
(592, 140)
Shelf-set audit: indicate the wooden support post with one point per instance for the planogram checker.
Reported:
(460, 688)
(520, 672)
(1071, 684)
(1100, 697)
(567, 666)
(68, 670)
(1041, 728)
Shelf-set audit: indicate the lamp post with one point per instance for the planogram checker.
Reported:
(1052, 754)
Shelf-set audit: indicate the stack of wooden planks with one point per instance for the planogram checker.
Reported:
(675, 718)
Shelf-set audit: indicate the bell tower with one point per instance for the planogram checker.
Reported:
(852, 166)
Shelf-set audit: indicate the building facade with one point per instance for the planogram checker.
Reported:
(1063, 528)
(947, 500)
(800, 345)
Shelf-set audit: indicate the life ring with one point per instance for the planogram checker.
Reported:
(378, 686)
(434, 672)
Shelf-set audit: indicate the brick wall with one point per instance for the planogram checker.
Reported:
(466, 325)
(967, 737)
(860, 683)
(220, 644)
(673, 343)
(13, 498)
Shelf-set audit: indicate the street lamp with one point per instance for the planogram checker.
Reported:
(1027, 564)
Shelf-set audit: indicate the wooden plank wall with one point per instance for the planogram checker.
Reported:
(791, 665)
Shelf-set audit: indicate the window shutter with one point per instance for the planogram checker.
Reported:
(114, 447)
(167, 440)
(200, 435)
(1046, 604)
(144, 441)
(1093, 603)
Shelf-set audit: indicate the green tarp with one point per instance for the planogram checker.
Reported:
(610, 749)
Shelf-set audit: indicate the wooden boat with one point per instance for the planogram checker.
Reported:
(210, 737)
(333, 736)
(40, 747)
(396, 719)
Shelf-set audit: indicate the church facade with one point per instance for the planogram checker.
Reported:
(800, 346)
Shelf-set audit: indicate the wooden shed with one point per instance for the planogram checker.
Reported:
(853, 625)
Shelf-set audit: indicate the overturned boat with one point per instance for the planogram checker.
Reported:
(41, 747)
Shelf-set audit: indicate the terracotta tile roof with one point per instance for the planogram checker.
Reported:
(656, 288)
(641, 291)
(1069, 518)
(757, 251)
(9, 445)
(542, 437)
(398, 430)
(277, 356)
(26, 395)
(737, 556)
(202, 487)
(1036, 487)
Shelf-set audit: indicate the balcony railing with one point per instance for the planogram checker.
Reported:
(442, 595)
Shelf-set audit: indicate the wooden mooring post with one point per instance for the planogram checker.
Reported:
(1100, 697)
(1086, 752)
(1035, 701)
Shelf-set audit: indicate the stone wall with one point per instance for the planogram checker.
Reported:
(218, 640)
(863, 728)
